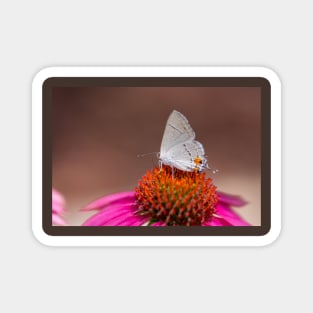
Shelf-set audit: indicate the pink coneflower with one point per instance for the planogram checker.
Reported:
(167, 198)
(57, 208)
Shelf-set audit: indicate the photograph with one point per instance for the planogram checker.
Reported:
(156, 155)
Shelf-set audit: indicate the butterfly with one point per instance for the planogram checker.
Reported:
(179, 148)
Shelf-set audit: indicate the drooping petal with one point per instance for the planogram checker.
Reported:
(57, 198)
(126, 220)
(230, 199)
(117, 209)
(114, 199)
(132, 221)
(214, 222)
(113, 212)
(57, 208)
(58, 202)
(58, 205)
(228, 215)
(159, 223)
(57, 220)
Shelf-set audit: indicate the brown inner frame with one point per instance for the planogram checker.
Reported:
(157, 82)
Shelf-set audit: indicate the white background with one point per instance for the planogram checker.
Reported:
(37, 34)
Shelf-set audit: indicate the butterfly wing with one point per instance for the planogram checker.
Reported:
(177, 131)
(183, 156)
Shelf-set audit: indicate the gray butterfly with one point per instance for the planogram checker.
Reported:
(179, 148)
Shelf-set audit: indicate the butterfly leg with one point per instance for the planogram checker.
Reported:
(160, 165)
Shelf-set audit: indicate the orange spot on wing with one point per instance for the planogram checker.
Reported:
(198, 160)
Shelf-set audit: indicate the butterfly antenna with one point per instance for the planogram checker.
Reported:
(145, 154)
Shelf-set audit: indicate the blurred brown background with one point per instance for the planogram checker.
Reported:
(99, 131)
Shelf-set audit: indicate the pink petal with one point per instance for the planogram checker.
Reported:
(57, 220)
(110, 213)
(57, 208)
(57, 198)
(133, 221)
(213, 222)
(117, 198)
(57, 202)
(230, 199)
(230, 216)
(116, 210)
(126, 220)
(159, 223)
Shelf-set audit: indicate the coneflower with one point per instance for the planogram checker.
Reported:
(168, 197)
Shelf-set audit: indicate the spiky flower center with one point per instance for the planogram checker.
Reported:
(176, 197)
